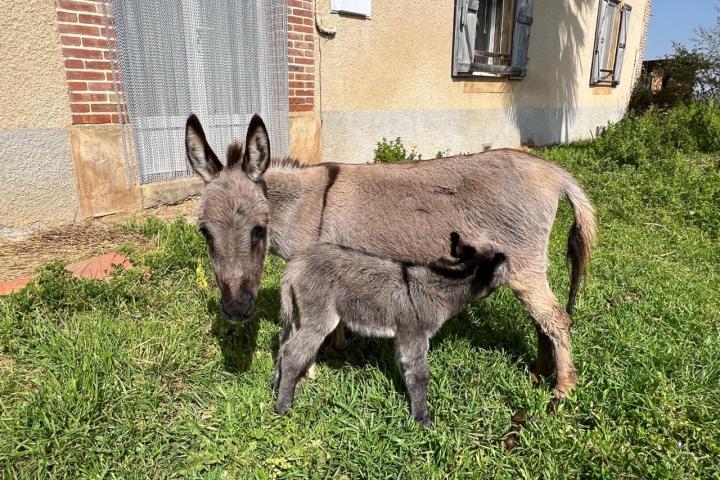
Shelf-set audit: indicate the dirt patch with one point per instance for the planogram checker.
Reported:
(81, 240)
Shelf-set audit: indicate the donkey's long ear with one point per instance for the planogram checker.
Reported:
(202, 159)
(257, 149)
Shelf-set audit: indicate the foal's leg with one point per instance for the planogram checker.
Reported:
(285, 336)
(553, 327)
(299, 352)
(412, 356)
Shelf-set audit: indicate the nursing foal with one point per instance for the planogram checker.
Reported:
(377, 297)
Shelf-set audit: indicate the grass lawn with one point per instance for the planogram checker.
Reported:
(141, 376)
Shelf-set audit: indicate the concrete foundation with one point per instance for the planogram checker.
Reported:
(102, 180)
(456, 131)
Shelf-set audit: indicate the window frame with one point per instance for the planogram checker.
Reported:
(466, 21)
(607, 73)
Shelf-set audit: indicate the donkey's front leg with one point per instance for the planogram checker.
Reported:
(412, 351)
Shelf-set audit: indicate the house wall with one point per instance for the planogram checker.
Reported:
(37, 176)
(390, 76)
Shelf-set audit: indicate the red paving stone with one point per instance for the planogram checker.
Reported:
(13, 286)
(96, 268)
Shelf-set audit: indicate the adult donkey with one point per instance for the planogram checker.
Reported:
(504, 198)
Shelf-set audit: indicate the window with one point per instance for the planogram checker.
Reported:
(610, 38)
(491, 37)
(222, 60)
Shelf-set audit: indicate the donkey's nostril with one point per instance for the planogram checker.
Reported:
(242, 306)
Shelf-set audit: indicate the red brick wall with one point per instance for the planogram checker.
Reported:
(301, 55)
(89, 71)
(87, 61)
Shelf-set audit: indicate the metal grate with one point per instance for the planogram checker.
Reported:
(221, 59)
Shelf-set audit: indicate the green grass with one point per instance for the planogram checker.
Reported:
(141, 377)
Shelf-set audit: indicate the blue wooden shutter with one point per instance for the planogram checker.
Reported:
(600, 40)
(622, 40)
(521, 39)
(465, 28)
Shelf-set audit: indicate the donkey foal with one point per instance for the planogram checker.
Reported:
(379, 297)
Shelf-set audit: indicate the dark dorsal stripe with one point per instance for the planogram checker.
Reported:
(333, 170)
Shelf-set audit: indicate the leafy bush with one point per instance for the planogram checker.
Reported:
(635, 140)
(394, 151)
(660, 168)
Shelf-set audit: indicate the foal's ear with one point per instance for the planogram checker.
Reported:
(257, 149)
(201, 157)
(454, 240)
(459, 249)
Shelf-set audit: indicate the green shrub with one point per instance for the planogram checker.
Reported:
(635, 140)
(394, 151)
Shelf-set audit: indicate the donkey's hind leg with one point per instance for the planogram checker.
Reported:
(553, 328)
(299, 352)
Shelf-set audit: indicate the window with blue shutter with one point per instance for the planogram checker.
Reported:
(492, 37)
(610, 39)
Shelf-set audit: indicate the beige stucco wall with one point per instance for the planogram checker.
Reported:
(36, 174)
(391, 76)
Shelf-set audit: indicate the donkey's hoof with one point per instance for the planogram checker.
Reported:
(330, 351)
(554, 404)
(310, 373)
(539, 372)
(306, 377)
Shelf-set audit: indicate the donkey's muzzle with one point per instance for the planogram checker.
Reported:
(240, 307)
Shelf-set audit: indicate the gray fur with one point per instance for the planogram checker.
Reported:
(505, 198)
(376, 297)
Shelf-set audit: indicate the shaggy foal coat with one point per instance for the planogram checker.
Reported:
(378, 297)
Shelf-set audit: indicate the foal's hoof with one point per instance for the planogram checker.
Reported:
(425, 421)
(281, 408)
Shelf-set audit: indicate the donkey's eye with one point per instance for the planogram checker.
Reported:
(206, 233)
(257, 233)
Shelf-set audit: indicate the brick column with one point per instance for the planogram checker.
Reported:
(87, 61)
(305, 126)
(95, 137)
(301, 55)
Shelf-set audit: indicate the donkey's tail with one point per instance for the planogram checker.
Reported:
(581, 237)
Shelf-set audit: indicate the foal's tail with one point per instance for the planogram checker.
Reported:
(581, 237)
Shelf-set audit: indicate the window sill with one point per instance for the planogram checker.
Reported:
(485, 84)
(493, 71)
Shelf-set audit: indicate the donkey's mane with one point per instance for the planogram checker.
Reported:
(286, 162)
(236, 150)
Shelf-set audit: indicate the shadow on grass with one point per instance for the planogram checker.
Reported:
(492, 326)
(238, 341)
